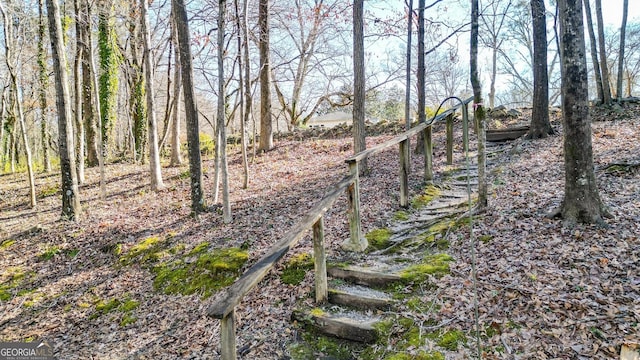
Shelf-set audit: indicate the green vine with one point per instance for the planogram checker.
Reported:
(108, 82)
(139, 113)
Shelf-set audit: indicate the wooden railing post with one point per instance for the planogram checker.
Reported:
(228, 337)
(320, 262)
(449, 139)
(465, 127)
(404, 172)
(428, 154)
(356, 241)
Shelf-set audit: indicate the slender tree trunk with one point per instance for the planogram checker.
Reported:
(88, 114)
(581, 199)
(594, 52)
(359, 130)
(623, 30)
(226, 204)
(247, 90)
(70, 199)
(176, 156)
(96, 105)
(198, 203)
(155, 169)
(79, 121)
(604, 67)
(422, 116)
(8, 33)
(266, 125)
(479, 112)
(540, 125)
(494, 72)
(407, 89)
(43, 77)
(138, 95)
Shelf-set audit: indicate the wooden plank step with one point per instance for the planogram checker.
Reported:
(506, 134)
(362, 276)
(360, 297)
(348, 326)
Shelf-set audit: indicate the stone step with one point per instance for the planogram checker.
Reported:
(360, 297)
(362, 276)
(352, 326)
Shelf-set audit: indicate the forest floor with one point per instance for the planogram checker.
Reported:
(546, 290)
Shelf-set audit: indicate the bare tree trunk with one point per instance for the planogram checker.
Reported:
(407, 89)
(43, 77)
(359, 130)
(176, 157)
(155, 169)
(226, 205)
(198, 203)
(581, 199)
(247, 89)
(594, 52)
(479, 112)
(18, 103)
(266, 126)
(604, 67)
(96, 105)
(70, 199)
(540, 125)
(422, 117)
(623, 30)
(78, 98)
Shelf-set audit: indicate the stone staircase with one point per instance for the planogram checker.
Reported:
(361, 288)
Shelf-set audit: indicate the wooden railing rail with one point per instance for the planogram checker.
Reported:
(224, 306)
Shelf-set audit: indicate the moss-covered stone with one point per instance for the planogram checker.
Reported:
(296, 268)
(427, 196)
(378, 239)
(6, 244)
(436, 265)
(148, 250)
(401, 216)
(211, 271)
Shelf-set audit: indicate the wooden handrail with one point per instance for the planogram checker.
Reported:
(407, 134)
(224, 305)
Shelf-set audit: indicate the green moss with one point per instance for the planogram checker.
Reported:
(402, 335)
(72, 253)
(128, 319)
(436, 264)
(379, 238)
(422, 200)
(148, 250)
(210, 272)
(296, 268)
(401, 216)
(13, 281)
(199, 249)
(49, 253)
(485, 238)
(450, 340)
(184, 175)
(316, 346)
(317, 312)
(421, 355)
(6, 244)
(48, 190)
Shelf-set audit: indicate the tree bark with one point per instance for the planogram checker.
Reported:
(221, 128)
(593, 44)
(70, 199)
(176, 156)
(407, 89)
(108, 53)
(198, 203)
(581, 199)
(80, 133)
(479, 112)
(155, 169)
(540, 125)
(623, 30)
(359, 131)
(43, 76)
(420, 77)
(247, 98)
(266, 126)
(604, 67)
